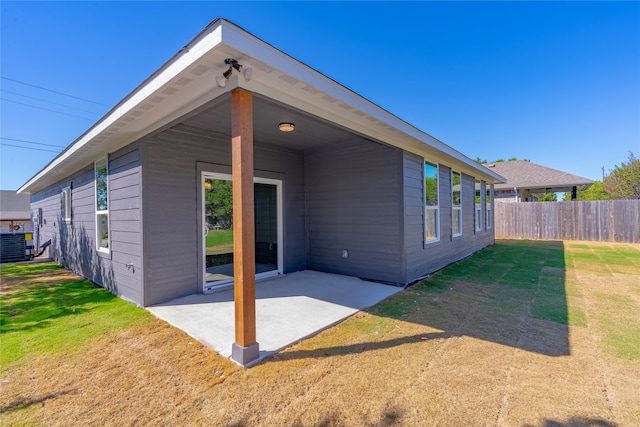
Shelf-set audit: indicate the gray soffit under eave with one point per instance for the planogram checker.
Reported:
(187, 82)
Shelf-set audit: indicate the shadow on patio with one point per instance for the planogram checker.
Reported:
(288, 309)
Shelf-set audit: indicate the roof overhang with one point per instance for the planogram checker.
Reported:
(14, 215)
(187, 83)
(547, 188)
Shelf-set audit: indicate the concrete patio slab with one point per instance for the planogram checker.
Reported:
(288, 309)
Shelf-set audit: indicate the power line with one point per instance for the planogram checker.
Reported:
(31, 142)
(48, 102)
(28, 148)
(46, 109)
(53, 91)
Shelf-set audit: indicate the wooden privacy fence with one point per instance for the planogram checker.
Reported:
(602, 220)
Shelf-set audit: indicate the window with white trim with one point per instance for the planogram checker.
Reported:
(488, 206)
(431, 208)
(456, 204)
(102, 205)
(478, 205)
(66, 203)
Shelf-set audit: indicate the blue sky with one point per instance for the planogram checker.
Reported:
(557, 83)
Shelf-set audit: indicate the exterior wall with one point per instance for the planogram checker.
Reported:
(513, 196)
(354, 203)
(505, 196)
(125, 222)
(173, 161)
(14, 212)
(359, 196)
(74, 243)
(425, 258)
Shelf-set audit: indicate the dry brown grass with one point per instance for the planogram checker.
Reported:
(453, 359)
(11, 284)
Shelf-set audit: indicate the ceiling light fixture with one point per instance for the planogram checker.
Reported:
(232, 63)
(286, 127)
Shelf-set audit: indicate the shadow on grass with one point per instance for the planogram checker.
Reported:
(35, 304)
(24, 403)
(577, 422)
(13, 270)
(35, 308)
(391, 417)
(512, 293)
(344, 350)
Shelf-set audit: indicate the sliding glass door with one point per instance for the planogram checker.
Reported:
(217, 214)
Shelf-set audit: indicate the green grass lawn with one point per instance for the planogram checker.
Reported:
(538, 279)
(44, 309)
(219, 242)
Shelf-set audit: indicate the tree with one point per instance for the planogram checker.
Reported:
(219, 203)
(594, 192)
(431, 190)
(624, 181)
(101, 186)
(548, 197)
(483, 161)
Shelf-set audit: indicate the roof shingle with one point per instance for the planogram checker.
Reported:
(525, 174)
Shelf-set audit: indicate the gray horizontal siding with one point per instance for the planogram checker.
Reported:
(172, 234)
(354, 204)
(171, 248)
(125, 230)
(74, 244)
(423, 258)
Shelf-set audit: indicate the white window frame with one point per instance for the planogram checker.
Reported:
(456, 210)
(435, 208)
(66, 203)
(102, 212)
(222, 284)
(478, 203)
(488, 200)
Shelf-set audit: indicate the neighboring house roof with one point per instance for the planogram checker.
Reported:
(185, 86)
(14, 206)
(523, 174)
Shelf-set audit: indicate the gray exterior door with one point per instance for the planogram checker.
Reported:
(217, 212)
